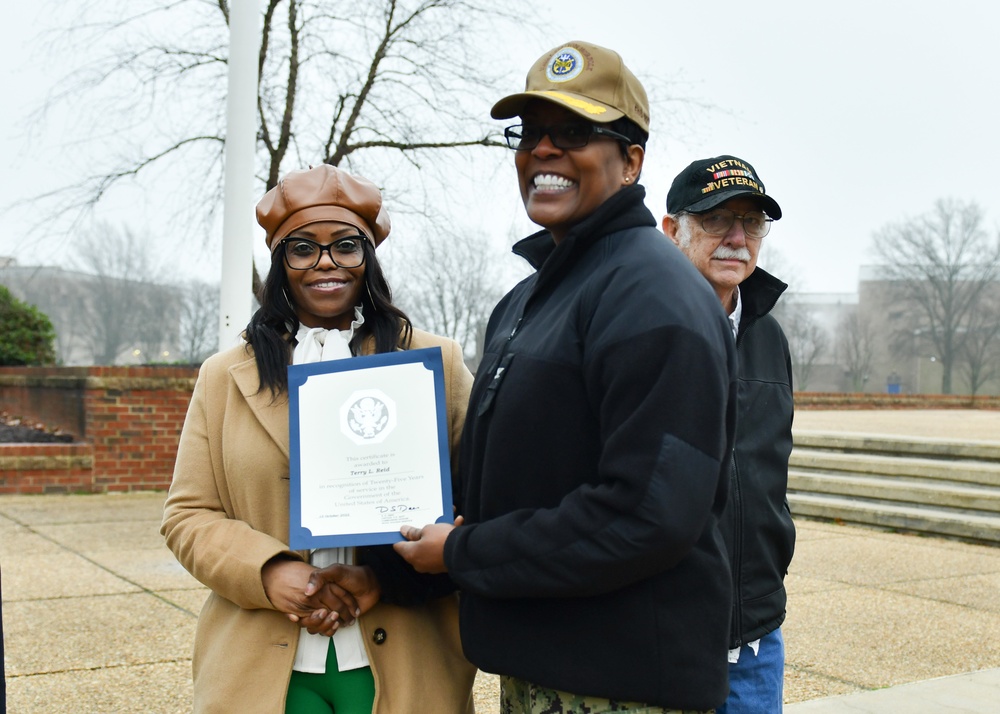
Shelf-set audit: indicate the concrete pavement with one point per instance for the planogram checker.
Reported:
(99, 617)
(961, 693)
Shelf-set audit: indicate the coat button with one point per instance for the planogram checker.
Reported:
(379, 636)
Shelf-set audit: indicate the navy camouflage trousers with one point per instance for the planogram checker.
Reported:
(520, 697)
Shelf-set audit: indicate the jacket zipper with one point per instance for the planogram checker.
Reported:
(498, 373)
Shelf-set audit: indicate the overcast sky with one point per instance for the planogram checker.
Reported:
(855, 114)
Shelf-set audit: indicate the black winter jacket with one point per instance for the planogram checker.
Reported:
(757, 524)
(593, 471)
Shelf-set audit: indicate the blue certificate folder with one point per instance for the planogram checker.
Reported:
(369, 448)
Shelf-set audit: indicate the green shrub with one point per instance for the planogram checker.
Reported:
(26, 334)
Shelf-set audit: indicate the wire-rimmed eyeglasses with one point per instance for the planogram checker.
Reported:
(756, 224)
(304, 254)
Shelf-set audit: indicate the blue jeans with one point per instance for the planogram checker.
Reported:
(756, 684)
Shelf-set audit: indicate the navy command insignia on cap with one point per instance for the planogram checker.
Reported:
(566, 64)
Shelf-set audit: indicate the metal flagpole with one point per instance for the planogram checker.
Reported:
(238, 195)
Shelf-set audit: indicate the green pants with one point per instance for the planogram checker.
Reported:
(520, 697)
(350, 692)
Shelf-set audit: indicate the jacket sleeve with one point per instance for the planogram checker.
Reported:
(201, 528)
(663, 396)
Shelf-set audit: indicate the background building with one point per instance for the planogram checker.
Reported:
(888, 338)
(103, 320)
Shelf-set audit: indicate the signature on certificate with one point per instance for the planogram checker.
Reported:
(396, 508)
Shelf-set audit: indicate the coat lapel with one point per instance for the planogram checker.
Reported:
(270, 411)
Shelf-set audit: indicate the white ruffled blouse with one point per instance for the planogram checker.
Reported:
(314, 344)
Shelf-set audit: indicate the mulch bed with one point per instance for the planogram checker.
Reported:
(17, 431)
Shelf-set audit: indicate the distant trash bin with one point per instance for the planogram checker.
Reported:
(893, 384)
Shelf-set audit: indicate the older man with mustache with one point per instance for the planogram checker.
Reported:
(718, 214)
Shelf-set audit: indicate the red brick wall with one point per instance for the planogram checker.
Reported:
(845, 400)
(46, 468)
(53, 392)
(127, 421)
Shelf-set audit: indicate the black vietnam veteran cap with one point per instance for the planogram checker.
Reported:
(706, 183)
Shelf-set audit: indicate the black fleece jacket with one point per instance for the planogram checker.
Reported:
(757, 524)
(594, 469)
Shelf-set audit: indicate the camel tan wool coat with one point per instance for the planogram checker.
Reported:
(227, 514)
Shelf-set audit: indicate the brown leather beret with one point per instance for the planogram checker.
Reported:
(322, 193)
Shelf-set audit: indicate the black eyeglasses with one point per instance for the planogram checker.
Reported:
(756, 224)
(524, 137)
(304, 254)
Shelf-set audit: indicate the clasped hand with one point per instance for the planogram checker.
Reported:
(320, 599)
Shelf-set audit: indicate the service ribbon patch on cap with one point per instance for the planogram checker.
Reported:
(725, 177)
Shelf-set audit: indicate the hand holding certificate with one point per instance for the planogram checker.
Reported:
(369, 448)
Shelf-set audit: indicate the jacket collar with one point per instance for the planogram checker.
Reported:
(624, 209)
(759, 293)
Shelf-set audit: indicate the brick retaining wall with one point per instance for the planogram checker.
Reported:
(126, 422)
(843, 400)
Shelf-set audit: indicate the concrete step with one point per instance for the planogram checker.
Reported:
(935, 486)
(898, 489)
(902, 446)
(967, 526)
(957, 470)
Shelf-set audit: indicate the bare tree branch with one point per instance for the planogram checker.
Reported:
(449, 282)
(856, 347)
(807, 341)
(125, 302)
(381, 87)
(291, 86)
(941, 264)
(980, 353)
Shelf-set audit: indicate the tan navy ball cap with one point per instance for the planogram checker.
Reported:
(588, 80)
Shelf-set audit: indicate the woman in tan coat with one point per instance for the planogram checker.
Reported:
(226, 516)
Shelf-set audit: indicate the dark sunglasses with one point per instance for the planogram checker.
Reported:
(575, 135)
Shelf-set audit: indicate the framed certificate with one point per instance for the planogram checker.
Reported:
(369, 448)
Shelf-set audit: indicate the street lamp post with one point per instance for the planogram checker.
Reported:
(932, 358)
